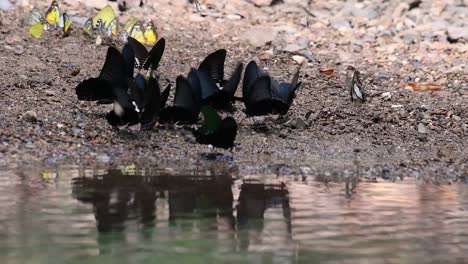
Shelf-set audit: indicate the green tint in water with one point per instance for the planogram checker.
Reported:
(119, 216)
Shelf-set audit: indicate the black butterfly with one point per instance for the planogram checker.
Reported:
(187, 100)
(356, 89)
(217, 91)
(148, 100)
(124, 112)
(256, 91)
(283, 94)
(220, 133)
(144, 59)
(117, 69)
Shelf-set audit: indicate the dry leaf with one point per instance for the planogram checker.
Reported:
(327, 72)
(423, 87)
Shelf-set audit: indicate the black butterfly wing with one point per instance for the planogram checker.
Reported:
(138, 91)
(94, 89)
(124, 112)
(259, 98)
(184, 97)
(152, 104)
(213, 65)
(155, 55)
(230, 87)
(114, 69)
(279, 92)
(129, 57)
(195, 84)
(207, 86)
(251, 74)
(141, 54)
(165, 96)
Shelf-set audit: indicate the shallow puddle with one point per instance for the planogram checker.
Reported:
(77, 215)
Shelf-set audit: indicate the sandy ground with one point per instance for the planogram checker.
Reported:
(397, 132)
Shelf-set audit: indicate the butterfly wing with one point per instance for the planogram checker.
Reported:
(114, 69)
(155, 55)
(88, 27)
(130, 23)
(129, 58)
(185, 97)
(152, 102)
(151, 36)
(53, 14)
(357, 90)
(37, 29)
(211, 120)
(35, 17)
(137, 91)
(140, 52)
(213, 65)
(231, 85)
(66, 23)
(258, 100)
(251, 74)
(94, 89)
(279, 92)
(207, 85)
(137, 33)
(106, 15)
(165, 96)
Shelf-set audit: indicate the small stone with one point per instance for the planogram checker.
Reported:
(341, 24)
(298, 59)
(421, 128)
(444, 152)
(456, 33)
(386, 96)
(30, 116)
(49, 93)
(234, 17)
(98, 40)
(298, 123)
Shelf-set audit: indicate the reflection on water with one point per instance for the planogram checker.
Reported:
(151, 216)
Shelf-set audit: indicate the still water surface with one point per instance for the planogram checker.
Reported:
(118, 216)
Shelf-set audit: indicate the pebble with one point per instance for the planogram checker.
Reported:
(341, 24)
(456, 33)
(421, 128)
(298, 59)
(386, 96)
(98, 40)
(30, 116)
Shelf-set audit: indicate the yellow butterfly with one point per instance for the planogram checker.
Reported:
(65, 23)
(137, 33)
(150, 34)
(130, 23)
(88, 27)
(53, 14)
(38, 23)
(106, 16)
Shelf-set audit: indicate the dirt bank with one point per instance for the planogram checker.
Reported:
(398, 132)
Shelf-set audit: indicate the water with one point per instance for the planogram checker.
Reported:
(72, 215)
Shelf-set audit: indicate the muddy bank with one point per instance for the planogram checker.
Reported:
(398, 132)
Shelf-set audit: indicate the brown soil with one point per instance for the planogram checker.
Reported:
(422, 134)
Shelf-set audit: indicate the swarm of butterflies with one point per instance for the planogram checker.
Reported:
(129, 81)
(52, 19)
(105, 23)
